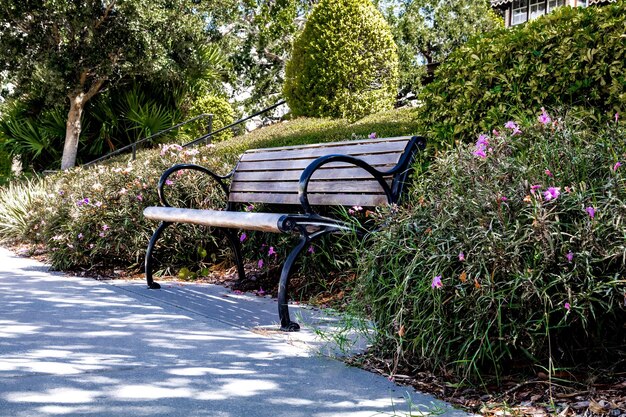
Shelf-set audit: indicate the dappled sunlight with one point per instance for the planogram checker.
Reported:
(82, 347)
(55, 395)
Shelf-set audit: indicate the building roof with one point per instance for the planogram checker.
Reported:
(497, 3)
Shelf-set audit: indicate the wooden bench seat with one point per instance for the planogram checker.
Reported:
(366, 173)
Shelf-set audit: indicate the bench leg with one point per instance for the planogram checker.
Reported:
(236, 245)
(286, 324)
(148, 265)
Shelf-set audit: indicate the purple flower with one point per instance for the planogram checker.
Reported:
(436, 282)
(260, 292)
(169, 182)
(271, 251)
(513, 126)
(260, 263)
(480, 153)
(570, 256)
(481, 146)
(372, 135)
(617, 165)
(567, 306)
(82, 202)
(503, 198)
(591, 212)
(250, 207)
(80, 235)
(98, 204)
(105, 227)
(552, 193)
(311, 249)
(544, 118)
(242, 237)
(101, 234)
(461, 256)
(535, 187)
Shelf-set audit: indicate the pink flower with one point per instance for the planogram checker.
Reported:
(481, 146)
(242, 237)
(169, 182)
(351, 212)
(80, 235)
(98, 204)
(372, 135)
(544, 118)
(260, 263)
(617, 165)
(480, 153)
(123, 191)
(311, 249)
(548, 173)
(271, 251)
(461, 256)
(513, 126)
(616, 117)
(591, 212)
(260, 292)
(357, 208)
(495, 132)
(105, 227)
(101, 234)
(552, 193)
(503, 198)
(535, 187)
(570, 256)
(436, 282)
(567, 306)
(139, 197)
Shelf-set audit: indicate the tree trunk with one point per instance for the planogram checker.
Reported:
(72, 130)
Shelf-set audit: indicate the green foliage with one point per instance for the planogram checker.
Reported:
(527, 278)
(427, 31)
(344, 64)
(573, 56)
(57, 215)
(223, 115)
(68, 50)
(261, 41)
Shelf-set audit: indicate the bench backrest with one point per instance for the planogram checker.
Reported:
(272, 175)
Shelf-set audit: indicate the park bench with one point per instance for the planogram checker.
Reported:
(292, 180)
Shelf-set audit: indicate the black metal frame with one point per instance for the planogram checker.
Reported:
(309, 224)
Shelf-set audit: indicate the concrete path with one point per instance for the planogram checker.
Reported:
(79, 347)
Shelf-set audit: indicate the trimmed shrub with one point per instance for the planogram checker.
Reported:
(573, 57)
(223, 115)
(344, 64)
(509, 254)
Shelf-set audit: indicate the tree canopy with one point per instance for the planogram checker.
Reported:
(71, 50)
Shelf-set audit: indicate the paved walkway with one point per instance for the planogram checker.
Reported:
(75, 346)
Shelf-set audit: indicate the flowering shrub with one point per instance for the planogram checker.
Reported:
(572, 56)
(510, 252)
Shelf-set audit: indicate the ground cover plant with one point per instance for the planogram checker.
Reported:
(572, 57)
(509, 255)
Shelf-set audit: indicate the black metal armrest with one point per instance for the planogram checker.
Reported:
(327, 159)
(218, 178)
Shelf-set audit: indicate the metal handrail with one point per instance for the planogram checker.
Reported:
(230, 126)
(133, 145)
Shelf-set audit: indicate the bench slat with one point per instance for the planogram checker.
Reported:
(333, 187)
(359, 150)
(365, 200)
(265, 222)
(333, 144)
(321, 174)
(374, 160)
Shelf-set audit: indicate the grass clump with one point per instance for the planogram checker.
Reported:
(510, 254)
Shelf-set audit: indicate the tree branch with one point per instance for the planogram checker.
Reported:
(105, 15)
